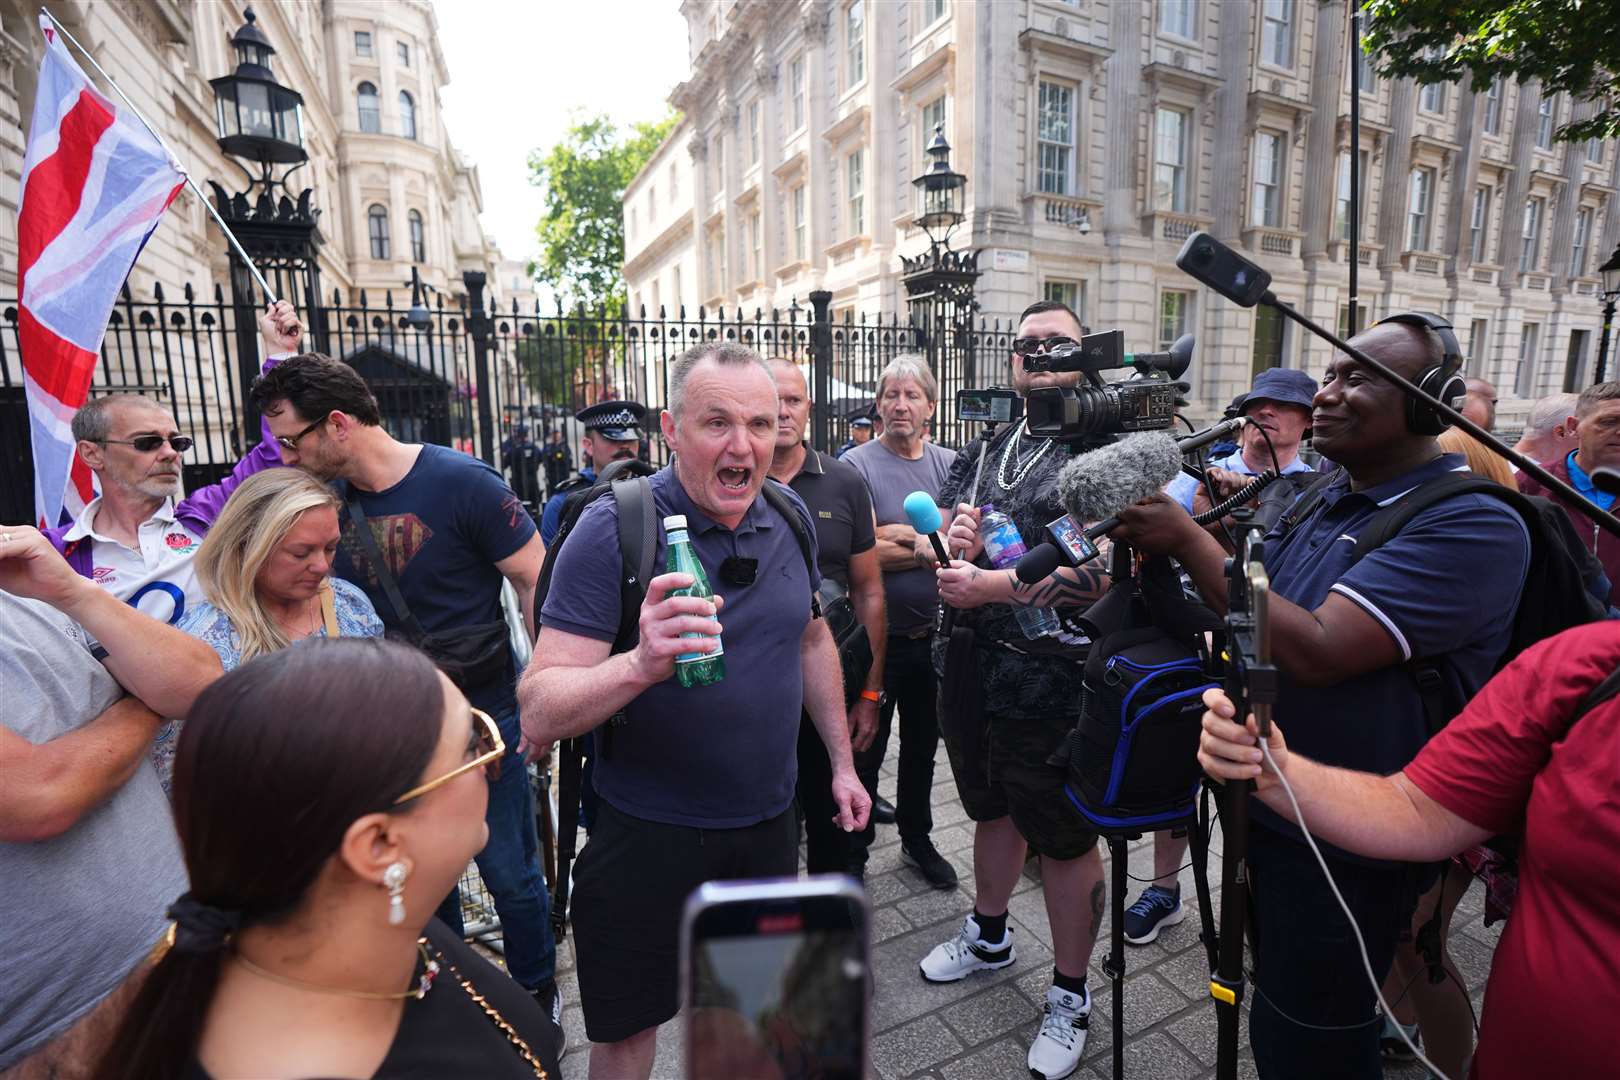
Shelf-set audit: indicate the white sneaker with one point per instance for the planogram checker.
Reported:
(966, 953)
(1056, 1051)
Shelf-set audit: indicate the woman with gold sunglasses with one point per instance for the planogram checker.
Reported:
(326, 798)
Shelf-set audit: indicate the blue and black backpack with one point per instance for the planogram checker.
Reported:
(1132, 759)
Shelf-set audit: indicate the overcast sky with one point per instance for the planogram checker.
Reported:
(520, 69)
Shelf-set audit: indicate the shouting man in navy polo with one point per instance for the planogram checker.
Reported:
(697, 784)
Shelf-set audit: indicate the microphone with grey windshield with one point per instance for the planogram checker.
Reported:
(1096, 486)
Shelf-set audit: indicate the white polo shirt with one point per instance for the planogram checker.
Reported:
(159, 579)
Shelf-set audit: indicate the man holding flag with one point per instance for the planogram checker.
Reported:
(136, 538)
(96, 182)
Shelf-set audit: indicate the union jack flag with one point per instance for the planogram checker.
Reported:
(95, 184)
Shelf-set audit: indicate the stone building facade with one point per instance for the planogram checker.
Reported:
(390, 185)
(805, 121)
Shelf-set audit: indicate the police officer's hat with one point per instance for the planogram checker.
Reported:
(861, 421)
(617, 420)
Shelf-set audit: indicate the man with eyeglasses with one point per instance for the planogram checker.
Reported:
(137, 537)
(1009, 701)
(445, 531)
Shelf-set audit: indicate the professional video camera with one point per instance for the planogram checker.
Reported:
(1144, 402)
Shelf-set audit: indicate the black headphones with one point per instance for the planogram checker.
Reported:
(1440, 381)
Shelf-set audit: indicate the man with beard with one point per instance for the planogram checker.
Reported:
(449, 531)
(612, 433)
(136, 538)
(1030, 693)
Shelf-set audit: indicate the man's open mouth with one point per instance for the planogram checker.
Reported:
(734, 479)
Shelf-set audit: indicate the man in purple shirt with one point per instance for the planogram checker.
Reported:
(136, 538)
(696, 784)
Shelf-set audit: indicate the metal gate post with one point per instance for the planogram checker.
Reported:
(478, 325)
(246, 318)
(821, 368)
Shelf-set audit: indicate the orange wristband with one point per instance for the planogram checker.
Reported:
(872, 696)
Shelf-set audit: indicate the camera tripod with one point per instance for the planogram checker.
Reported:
(1196, 822)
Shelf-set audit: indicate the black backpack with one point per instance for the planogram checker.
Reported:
(1559, 588)
(1132, 758)
(626, 481)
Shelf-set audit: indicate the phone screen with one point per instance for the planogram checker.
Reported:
(778, 992)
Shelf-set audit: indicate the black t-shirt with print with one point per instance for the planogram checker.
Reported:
(1045, 677)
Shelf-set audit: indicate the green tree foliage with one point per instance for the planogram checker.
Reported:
(582, 231)
(1572, 46)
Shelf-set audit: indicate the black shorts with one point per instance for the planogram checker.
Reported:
(630, 885)
(1015, 780)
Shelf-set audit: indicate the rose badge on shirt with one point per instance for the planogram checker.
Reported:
(180, 542)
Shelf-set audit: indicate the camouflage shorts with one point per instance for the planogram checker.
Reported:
(1013, 778)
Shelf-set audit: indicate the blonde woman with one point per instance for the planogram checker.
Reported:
(1481, 461)
(265, 568)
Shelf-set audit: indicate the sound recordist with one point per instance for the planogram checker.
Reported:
(1446, 586)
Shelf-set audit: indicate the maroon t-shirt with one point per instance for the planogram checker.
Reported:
(1512, 760)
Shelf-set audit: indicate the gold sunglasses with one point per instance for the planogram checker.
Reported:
(485, 743)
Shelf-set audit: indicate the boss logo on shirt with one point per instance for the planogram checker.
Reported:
(179, 541)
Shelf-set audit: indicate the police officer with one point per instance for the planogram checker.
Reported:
(522, 461)
(612, 432)
(860, 431)
(558, 461)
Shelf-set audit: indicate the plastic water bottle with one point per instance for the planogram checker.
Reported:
(1004, 546)
(694, 668)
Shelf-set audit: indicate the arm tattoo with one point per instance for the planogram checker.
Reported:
(1058, 591)
(1099, 894)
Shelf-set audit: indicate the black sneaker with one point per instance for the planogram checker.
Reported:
(922, 854)
(549, 998)
(882, 811)
(1154, 910)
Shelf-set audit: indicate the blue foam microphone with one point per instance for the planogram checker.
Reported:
(924, 517)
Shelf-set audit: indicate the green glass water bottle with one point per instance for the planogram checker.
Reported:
(695, 668)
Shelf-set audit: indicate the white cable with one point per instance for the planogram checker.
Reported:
(1361, 942)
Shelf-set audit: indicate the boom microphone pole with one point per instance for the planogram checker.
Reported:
(1214, 264)
(1251, 683)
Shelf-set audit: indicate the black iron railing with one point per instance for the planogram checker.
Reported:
(427, 366)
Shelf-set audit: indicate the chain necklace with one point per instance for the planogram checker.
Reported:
(500, 1021)
(1007, 484)
(430, 970)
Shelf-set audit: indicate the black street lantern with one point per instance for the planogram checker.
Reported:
(939, 191)
(1610, 273)
(258, 118)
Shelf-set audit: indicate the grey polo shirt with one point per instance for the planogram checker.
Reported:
(712, 757)
(83, 908)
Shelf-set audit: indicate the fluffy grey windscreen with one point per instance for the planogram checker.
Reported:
(1101, 483)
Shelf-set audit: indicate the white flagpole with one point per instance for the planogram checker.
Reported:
(230, 236)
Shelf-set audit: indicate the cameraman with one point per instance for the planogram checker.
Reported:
(1446, 586)
(1007, 702)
